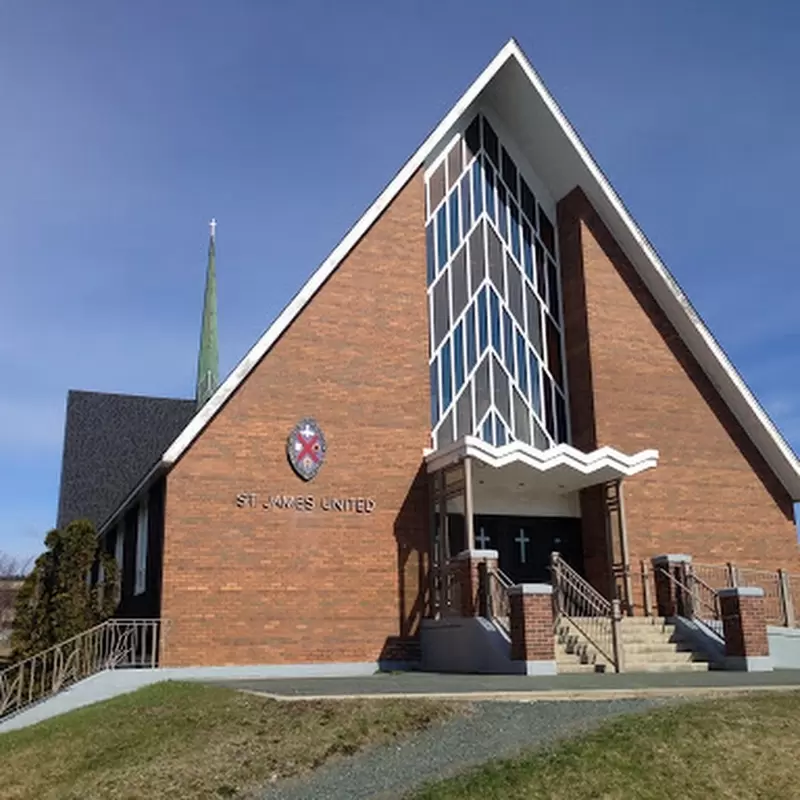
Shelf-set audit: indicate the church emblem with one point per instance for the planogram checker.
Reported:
(306, 448)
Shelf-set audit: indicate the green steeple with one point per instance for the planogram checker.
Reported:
(208, 359)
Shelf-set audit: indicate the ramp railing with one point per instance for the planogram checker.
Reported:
(114, 644)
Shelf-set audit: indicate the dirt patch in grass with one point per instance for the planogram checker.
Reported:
(186, 740)
(743, 747)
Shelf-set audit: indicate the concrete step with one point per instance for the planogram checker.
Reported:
(690, 666)
(653, 648)
(643, 640)
(572, 668)
(649, 644)
(663, 658)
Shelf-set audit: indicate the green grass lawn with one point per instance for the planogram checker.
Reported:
(186, 740)
(737, 748)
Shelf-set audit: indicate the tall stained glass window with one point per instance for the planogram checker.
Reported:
(494, 281)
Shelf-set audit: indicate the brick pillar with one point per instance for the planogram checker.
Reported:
(531, 623)
(669, 598)
(469, 579)
(745, 628)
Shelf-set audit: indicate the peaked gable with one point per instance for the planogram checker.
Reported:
(511, 86)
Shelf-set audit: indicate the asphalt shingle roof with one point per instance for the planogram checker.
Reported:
(110, 442)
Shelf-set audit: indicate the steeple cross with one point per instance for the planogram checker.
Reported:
(213, 226)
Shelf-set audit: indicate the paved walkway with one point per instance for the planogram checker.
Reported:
(492, 730)
(590, 686)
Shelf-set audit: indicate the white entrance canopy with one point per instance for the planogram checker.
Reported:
(560, 469)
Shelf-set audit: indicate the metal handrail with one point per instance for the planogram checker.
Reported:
(449, 590)
(696, 579)
(687, 593)
(592, 594)
(502, 577)
(591, 614)
(497, 599)
(114, 644)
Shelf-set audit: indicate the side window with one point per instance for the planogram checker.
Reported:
(141, 549)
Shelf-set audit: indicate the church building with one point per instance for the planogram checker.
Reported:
(493, 358)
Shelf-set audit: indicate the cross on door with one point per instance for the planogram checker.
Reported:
(522, 540)
(482, 540)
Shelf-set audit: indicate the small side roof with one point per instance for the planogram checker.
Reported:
(518, 94)
(110, 440)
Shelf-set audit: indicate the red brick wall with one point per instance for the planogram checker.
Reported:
(248, 585)
(744, 625)
(531, 627)
(634, 385)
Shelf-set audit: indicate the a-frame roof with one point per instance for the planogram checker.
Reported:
(511, 85)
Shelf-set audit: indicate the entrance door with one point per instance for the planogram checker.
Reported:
(524, 544)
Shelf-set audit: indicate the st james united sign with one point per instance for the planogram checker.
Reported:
(305, 450)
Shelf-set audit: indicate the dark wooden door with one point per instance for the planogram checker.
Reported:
(524, 544)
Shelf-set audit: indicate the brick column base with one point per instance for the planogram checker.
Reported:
(469, 579)
(531, 623)
(745, 628)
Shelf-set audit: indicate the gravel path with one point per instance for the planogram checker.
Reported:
(492, 730)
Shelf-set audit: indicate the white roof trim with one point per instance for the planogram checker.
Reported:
(720, 370)
(713, 360)
(563, 455)
(326, 269)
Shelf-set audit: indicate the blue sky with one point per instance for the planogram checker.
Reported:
(126, 126)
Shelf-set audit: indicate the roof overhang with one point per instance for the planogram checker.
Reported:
(557, 154)
(560, 469)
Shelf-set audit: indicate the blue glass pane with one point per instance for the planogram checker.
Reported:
(434, 392)
(472, 355)
(494, 304)
(490, 142)
(489, 172)
(466, 214)
(455, 234)
(514, 212)
(477, 189)
(552, 289)
(522, 362)
(527, 251)
(528, 201)
(502, 207)
(458, 355)
(430, 250)
(500, 431)
(536, 402)
(487, 430)
(441, 236)
(547, 397)
(483, 321)
(447, 380)
(508, 335)
(561, 418)
(509, 172)
(540, 270)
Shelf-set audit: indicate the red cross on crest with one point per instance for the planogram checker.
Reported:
(306, 448)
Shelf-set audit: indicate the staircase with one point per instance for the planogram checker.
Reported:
(649, 644)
